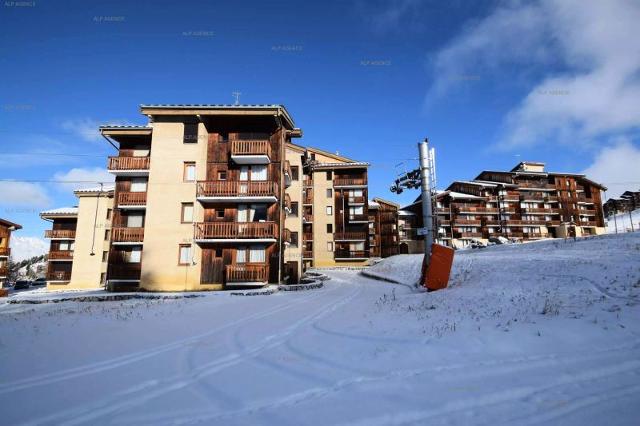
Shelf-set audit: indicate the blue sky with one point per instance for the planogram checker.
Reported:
(490, 83)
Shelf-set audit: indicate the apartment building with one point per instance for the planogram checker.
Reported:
(330, 215)
(627, 202)
(6, 228)
(211, 197)
(80, 239)
(383, 228)
(525, 203)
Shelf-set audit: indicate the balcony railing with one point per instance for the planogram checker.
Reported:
(60, 233)
(349, 182)
(4, 271)
(307, 254)
(535, 235)
(132, 198)
(251, 147)
(127, 235)
(59, 276)
(307, 217)
(287, 236)
(542, 185)
(229, 188)
(307, 196)
(358, 218)
(307, 236)
(61, 255)
(246, 273)
(463, 208)
(307, 181)
(124, 271)
(235, 230)
(5, 251)
(351, 254)
(128, 163)
(589, 212)
(287, 201)
(352, 236)
(540, 210)
(356, 200)
(466, 222)
(467, 235)
(587, 223)
(553, 223)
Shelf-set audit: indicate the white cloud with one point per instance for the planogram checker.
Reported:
(391, 15)
(78, 178)
(23, 194)
(594, 86)
(27, 247)
(87, 128)
(617, 167)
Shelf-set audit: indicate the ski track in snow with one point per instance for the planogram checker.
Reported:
(152, 389)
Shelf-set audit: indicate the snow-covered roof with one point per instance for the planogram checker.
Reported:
(405, 213)
(495, 183)
(126, 127)
(454, 194)
(478, 183)
(373, 205)
(105, 188)
(62, 211)
(339, 165)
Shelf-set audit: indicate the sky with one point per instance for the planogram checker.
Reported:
(490, 83)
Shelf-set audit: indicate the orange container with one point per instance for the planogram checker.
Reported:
(437, 275)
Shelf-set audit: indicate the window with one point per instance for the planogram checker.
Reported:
(218, 252)
(329, 192)
(257, 254)
(295, 173)
(65, 245)
(220, 213)
(189, 174)
(258, 213)
(107, 234)
(105, 256)
(138, 185)
(294, 208)
(241, 255)
(222, 175)
(329, 175)
(103, 276)
(187, 213)
(184, 254)
(259, 172)
(109, 212)
(329, 210)
(133, 256)
(190, 133)
(294, 239)
(356, 246)
(135, 220)
(329, 228)
(223, 137)
(330, 246)
(244, 173)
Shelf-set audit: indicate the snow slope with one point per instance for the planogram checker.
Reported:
(541, 333)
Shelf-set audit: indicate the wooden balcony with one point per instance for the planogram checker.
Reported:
(131, 166)
(350, 236)
(536, 185)
(359, 218)
(286, 236)
(356, 200)
(287, 202)
(587, 212)
(587, 223)
(351, 255)
(307, 196)
(307, 254)
(535, 235)
(464, 222)
(132, 199)
(251, 151)
(266, 231)
(246, 273)
(60, 234)
(349, 182)
(236, 191)
(124, 235)
(124, 271)
(61, 255)
(307, 236)
(461, 208)
(307, 181)
(5, 251)
(307, 217)
(4, 271)
(467, 235)
(553, 223)
(537, 210)
(59, 276)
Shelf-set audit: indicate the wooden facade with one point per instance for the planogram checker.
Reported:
(6, 229)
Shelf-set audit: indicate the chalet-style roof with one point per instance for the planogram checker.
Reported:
(458, 195)
(473, 182)
(496, 183)
(315, 150)
(520, 165)
(350, 165)
(125, 127)
(213, 109)
(379, 201)
(9, 224)
(59, 212)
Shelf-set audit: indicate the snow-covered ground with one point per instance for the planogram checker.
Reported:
(622, 222)
(540, 333)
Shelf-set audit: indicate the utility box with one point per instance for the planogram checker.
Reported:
(436, 276)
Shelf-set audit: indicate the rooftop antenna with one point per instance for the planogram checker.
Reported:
(237, 96)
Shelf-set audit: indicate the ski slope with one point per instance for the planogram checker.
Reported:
(540, 333)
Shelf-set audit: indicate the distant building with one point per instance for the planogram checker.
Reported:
(628, 201)
(525, 203)
(6, 228)
(383, 228)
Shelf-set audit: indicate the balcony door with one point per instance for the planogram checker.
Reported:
(255, 173)
(135, 220)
